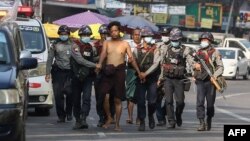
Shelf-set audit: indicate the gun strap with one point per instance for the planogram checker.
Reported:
(146, 56)
(210, 61)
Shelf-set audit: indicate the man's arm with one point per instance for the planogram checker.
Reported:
(219, 64)
(49, 62)
(131, 58)
(103, 54)
(190, 59)
(75, 53)
(157, 59)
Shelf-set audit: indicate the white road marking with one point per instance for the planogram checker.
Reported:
(101, 134)
(229, 112)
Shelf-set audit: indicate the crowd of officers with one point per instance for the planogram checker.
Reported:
(151, 74)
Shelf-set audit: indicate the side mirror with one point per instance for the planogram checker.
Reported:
(28, 63)
(239, 58)
(25, 54)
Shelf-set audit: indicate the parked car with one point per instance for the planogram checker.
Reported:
(13, 83)
(35, 39)
(235, 62)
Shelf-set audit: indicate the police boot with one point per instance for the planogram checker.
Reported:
(84, 123)
(202, 125)
(171, 124)
(209, 123)
(78, 124)
(178, 120)
(142, 125)
(151, 122)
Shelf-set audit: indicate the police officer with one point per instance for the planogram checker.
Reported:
(205, 88)
(172, 73)
(61, 76)
(103, 31)
(82, 63)
(148, 59)
(161, 109)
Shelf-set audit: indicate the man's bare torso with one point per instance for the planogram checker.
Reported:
(116, 51)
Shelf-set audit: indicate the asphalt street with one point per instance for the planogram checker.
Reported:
(235, 109)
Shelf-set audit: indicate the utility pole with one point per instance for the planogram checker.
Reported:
(230, 16)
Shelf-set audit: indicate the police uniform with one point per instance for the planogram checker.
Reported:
(150, 65)
(84, 55)
(173, 69)
(205, 88)
(61, 76)
(161, 109)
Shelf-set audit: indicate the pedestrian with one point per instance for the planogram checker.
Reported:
(205, 88)
(103, 31)
(83, 65)
(173, 73)
(161, 107)
(59, 56)
(115, 51)
(148, 57)
(131, 77)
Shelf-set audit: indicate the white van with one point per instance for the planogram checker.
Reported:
(36, 41)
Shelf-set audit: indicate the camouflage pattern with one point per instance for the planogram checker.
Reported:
(207, 35)
(175, 34)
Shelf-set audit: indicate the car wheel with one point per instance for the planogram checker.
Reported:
(236, 74)
(245, 77)
(42, 111)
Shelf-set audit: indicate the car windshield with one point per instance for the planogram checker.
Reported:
(191, 38)
(227, 54)
(4, 56)
(6, 3)
(246, 43)
(33, 38)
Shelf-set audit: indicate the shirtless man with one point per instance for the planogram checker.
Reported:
(115, 51)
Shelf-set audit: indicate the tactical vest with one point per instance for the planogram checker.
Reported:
(148, 61)
(174, 63)
(81, 71)
(203, 75)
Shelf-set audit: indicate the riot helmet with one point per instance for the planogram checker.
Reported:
(165, 30)
(175, 34)
(103, 29)
(207, 35)
(85, 30)
(63, 29)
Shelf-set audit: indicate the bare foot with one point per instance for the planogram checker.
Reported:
(129, 121)
(113, 121)
(118, 129)
(107, 123)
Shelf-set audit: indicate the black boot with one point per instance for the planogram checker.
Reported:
(161, 123)
(178, 120)
(209, 123)
(69, 117)
(202, 125)
(78, 124)
(84, 123)
(171, 124)
(151, 122)
(142, 126)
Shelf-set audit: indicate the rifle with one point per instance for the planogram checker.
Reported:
(214, 82)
